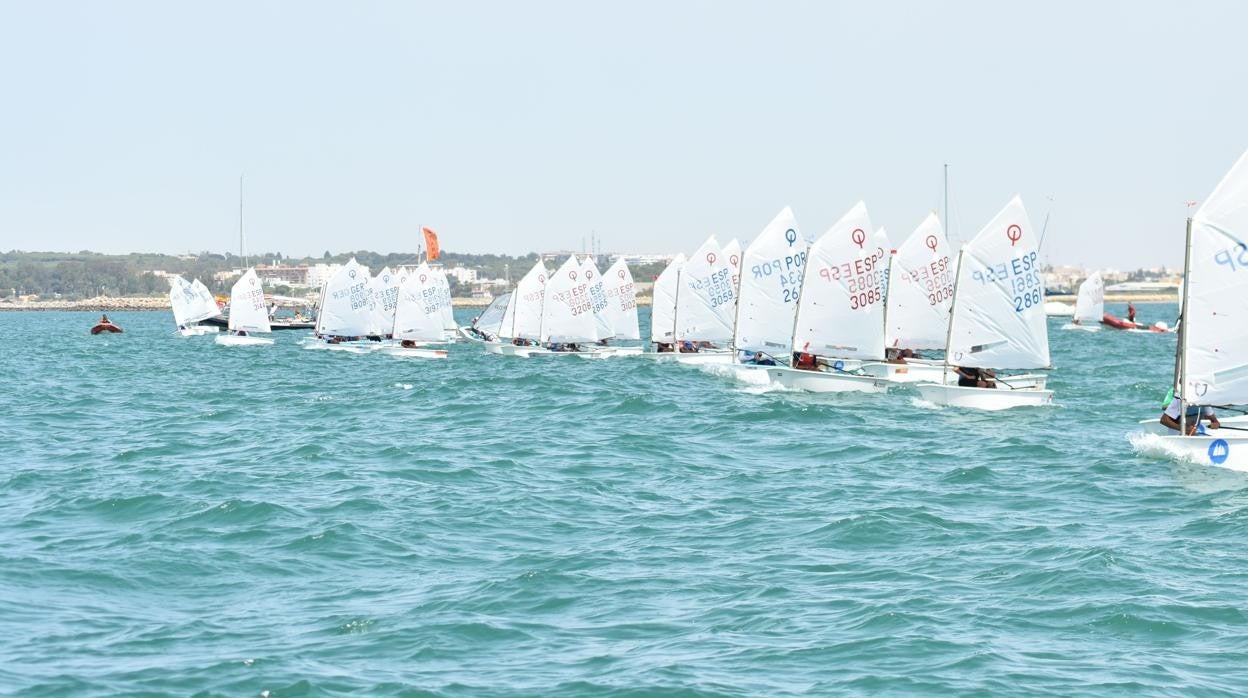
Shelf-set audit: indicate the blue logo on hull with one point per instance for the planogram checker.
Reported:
(1219, 451)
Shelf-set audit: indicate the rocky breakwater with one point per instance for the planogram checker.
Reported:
(99, 303)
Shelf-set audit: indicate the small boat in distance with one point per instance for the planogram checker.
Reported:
(248, 313)
(191, 302)
(105, 326)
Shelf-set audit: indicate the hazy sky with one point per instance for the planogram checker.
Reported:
(520, 126)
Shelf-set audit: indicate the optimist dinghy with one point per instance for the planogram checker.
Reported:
(663, 310)
(522, 320)
(191, 303)
(488, 325)
(839, 321)
(621, 310)
(769, 288)
(997, 318)
(248, 313)
(417, 315)
(916, 309)
(348, 312)
(705, 307)
(1090, 305)
(1211, 368)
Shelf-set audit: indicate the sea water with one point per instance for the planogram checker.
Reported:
(178, 517)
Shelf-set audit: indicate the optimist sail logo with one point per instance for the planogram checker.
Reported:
(1219, 451)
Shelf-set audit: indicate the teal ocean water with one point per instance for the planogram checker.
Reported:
(180, 518)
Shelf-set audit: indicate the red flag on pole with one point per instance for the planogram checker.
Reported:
(431, 243)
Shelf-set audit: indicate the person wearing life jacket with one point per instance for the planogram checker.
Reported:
(975, 377)
(407, 344)
(804, 362)
(1195, 414)
(663, 348)
(687, 347)
(1130, 312)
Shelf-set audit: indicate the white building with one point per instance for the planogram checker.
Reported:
(318, 274)
(463, 275)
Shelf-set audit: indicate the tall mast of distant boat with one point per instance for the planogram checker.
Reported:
(242, 240)
(946, 200)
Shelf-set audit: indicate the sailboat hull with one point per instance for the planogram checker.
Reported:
(198, 330)
(990, 399)
(825, 382)
(231, 340)
(413, 352)
(1230, 452)
(909, 372)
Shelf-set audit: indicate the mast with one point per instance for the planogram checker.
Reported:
(889, 292)
(675, 309)
(1181, 359)
(242, 240)
(953, 304)
(946, 222)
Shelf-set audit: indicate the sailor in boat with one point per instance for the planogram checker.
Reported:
(408, 344)
(1130, 312)
(899, 356)
(805, 362)
(1195, 414)
(975, 377)
(756, 358)
(663, 348)
(687, 347)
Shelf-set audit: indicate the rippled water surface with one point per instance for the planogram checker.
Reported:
(179, 517)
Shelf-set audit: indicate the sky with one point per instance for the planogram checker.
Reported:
(514, 127)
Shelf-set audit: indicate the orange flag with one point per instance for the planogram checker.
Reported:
(431, 243)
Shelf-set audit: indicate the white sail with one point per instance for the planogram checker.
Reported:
(622, 301)
(492, 319)
(663, 302)
(1090, 305)
(181, 297)
(347, 303)
(706, 303)
(444, 300)
(418, 312)
(771, 283)
(247, 309)
(568, 313)
(385, 299)
(880, 239)
(921, 289)
(526, 320)
(841, 311)
(732, 253)
(998, 316)
(597, 298)
(205, 305)
(1214, 327)
(507, 327)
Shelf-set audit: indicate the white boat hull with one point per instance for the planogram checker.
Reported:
(232, 340)
(198, 330)
(909, 372)
(1215, 449)
(1000, 398)
(508, 349)
(824, 381)
(702, 357)
(414, 352)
